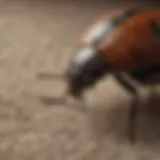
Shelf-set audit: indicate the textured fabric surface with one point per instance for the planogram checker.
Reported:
(39, 36)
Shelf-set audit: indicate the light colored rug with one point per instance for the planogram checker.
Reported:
(39, 37)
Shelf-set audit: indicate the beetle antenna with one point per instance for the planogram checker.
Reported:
(63, 102)
(45, 75)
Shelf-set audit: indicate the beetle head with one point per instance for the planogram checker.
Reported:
(86, 67)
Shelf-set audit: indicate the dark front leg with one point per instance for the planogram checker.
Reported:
(134, 106)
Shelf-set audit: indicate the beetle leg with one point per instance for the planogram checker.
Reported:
(134, 106)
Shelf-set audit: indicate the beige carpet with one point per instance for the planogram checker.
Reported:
(40, 37)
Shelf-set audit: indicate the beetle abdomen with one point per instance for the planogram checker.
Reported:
(106, 26)
(133, 44)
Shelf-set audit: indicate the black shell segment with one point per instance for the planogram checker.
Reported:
(155, 28)
(143, 74)
(87, 66)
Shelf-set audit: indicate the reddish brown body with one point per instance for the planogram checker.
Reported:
(124, 40)
(132, 44)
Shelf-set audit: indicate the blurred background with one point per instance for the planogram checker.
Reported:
(39, 36)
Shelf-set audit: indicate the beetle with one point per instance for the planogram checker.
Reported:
(123, 41)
